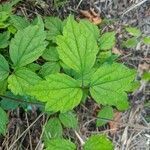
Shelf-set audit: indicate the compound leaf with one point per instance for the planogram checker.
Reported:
(3, 122)
(4, 68)
(61, 92)
(98, 142)
(21, 80)
(77, 47)
(59, 144)
(109, 84)
(27, 45)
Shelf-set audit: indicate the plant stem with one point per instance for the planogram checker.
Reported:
(20, 100)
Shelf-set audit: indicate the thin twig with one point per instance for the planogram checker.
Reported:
(123, 124)
(79, 137)
(79, 4)
(133, 7)
(29, 133)
(26, 131)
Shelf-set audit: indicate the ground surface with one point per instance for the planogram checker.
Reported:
(133, 127)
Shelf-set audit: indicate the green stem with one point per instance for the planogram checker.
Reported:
(20, 100)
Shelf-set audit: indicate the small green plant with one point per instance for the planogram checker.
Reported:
(136, 37)
(59, 64)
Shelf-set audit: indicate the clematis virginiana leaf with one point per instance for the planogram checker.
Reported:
(21, 80)
(59, 91)
(28, 45)
(77, 47)
(110, 83)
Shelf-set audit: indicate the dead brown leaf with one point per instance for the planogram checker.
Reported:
(114, 125)
(92, 16)
(117, 51)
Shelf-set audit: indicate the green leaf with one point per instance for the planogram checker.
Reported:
(21, 80)
(110, 83)
(27, 45)
(49, 68)
(61, 92)
(146, 40)
(53, 129)
(4, 68)
(19, 22)
(3, 86)
(130, 43)
(12, 29)
(34, 67)
(104, 114)
(133, 31)
(98, 142)
(9, 104)
(54, 26)
(4, 16)
(4, 37)
(103, 57)
(51, 54)
(58, 144)
(107, 41)
(3, 25)
(3, 122)
(146, 76)
(6, 10)
(77, 47)
(91, 27)
(69, 120)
